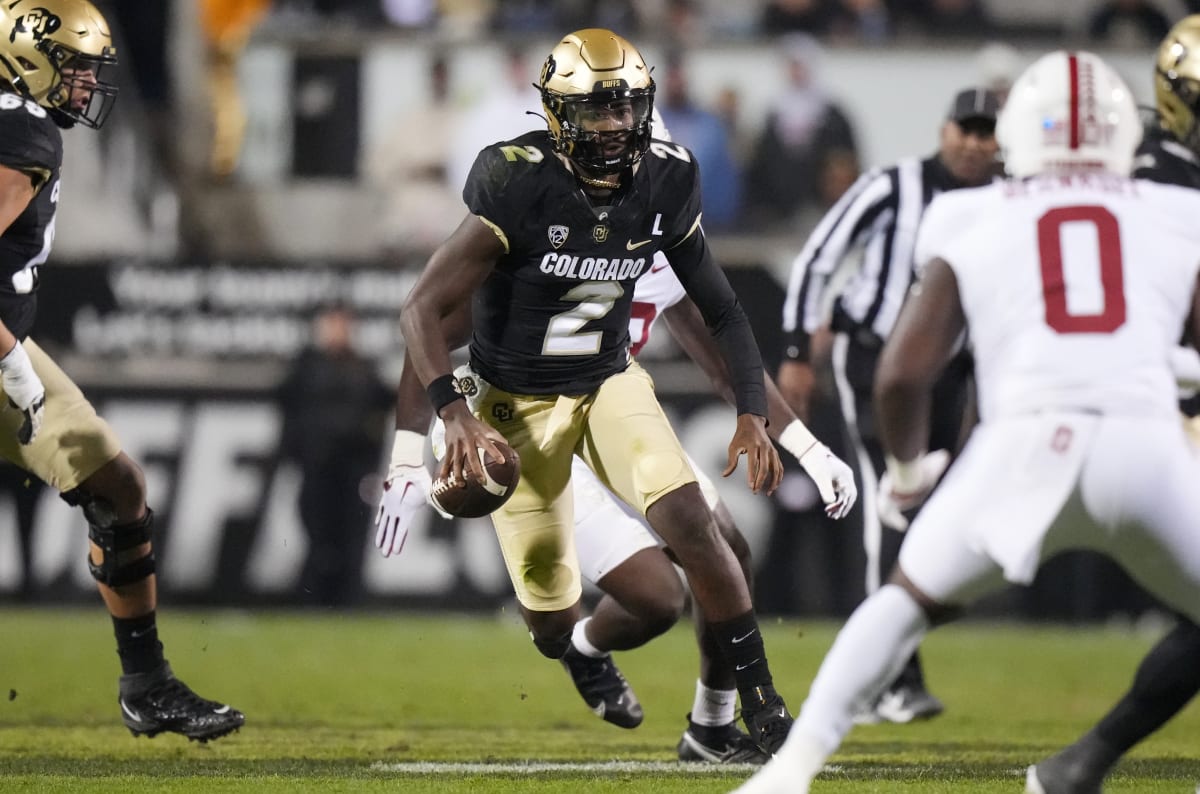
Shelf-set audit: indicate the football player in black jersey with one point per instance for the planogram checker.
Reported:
(1169, 676)
(562, 223)
(54, 55)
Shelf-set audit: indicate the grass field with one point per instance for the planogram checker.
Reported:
(426, 703)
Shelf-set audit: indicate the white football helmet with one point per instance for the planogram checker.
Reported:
(1069, 111)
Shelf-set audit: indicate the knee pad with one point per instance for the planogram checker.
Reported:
(114, 541)
(553, 648)
(97, 511)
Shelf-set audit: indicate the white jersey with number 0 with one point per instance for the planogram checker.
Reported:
(1075, 290)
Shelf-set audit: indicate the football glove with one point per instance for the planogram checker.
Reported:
(833, 478)
(25, 391)
(904, 486)
(405, 492)
(1185, 366)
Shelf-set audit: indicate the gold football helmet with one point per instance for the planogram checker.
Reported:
(52, 52)
(594, 79)
(1177, 82)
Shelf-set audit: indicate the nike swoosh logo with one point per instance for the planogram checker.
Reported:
(222, 710)
(657, 268)
(742, 667)
(138, 634)
(133, 715)
(743, 638)
(630, 245)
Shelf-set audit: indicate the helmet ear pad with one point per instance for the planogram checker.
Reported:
(1068, 111)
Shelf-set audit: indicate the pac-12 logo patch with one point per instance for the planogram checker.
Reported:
(558, 235)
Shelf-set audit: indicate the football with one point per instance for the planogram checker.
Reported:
(477, 499)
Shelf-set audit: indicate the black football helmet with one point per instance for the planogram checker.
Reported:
(591, 74)
(53, 52)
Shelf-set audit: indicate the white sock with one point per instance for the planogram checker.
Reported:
(713, 707)
(867, 654)
(580, 640)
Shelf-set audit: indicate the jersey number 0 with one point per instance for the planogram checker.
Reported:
(1054, 280)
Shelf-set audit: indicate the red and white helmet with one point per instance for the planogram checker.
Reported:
(1068, 111)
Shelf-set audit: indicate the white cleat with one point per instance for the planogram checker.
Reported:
(1032, 784)
(775, 778)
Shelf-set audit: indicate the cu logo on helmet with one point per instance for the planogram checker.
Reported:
(38, 22)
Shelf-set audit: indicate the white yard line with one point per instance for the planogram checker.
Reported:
(543, 767)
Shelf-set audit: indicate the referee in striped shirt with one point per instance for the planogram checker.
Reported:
(877, 219)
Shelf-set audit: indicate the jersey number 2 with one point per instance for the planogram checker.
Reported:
(593, 300)
(1054, 281)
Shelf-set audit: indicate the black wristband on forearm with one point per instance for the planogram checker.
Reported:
(442, 391)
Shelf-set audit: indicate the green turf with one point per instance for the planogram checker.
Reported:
(333, 702)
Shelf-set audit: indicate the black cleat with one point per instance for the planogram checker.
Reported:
(603, 688)
(768, 724)
(720, 744)
(152, 703)
(1062, 774)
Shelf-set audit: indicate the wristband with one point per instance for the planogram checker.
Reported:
(408, 452)
(906, 475)
(442, 391)
(797, 439)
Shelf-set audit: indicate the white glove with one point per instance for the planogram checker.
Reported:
(906, 485)
(405, 492)
(1185, 365)
(833, 478)
(25, 391)
(403, 496)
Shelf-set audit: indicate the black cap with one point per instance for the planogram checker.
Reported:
(974, 103)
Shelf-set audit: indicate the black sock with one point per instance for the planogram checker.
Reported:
(137, 644)
(742, 645)
(1167, 678)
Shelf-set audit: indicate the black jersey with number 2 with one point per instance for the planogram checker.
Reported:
(30, 142)
(553, 316)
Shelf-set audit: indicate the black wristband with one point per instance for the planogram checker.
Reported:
(442, 391)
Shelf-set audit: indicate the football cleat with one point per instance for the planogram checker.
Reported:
(907, 703)
(603, 688)
(1059, 774)
(719, 744)
(154, 702)
(768, 725)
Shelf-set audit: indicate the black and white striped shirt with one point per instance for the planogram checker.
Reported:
(878, 215)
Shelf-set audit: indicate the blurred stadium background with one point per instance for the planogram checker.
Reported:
(196, 241)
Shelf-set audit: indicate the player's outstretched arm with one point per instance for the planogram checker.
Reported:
(705, 283)
(407, 484)
(833, 478)
(457, 268)
(917, 351)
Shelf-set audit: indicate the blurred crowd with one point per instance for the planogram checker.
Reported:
(692, 22)
(773, 169)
